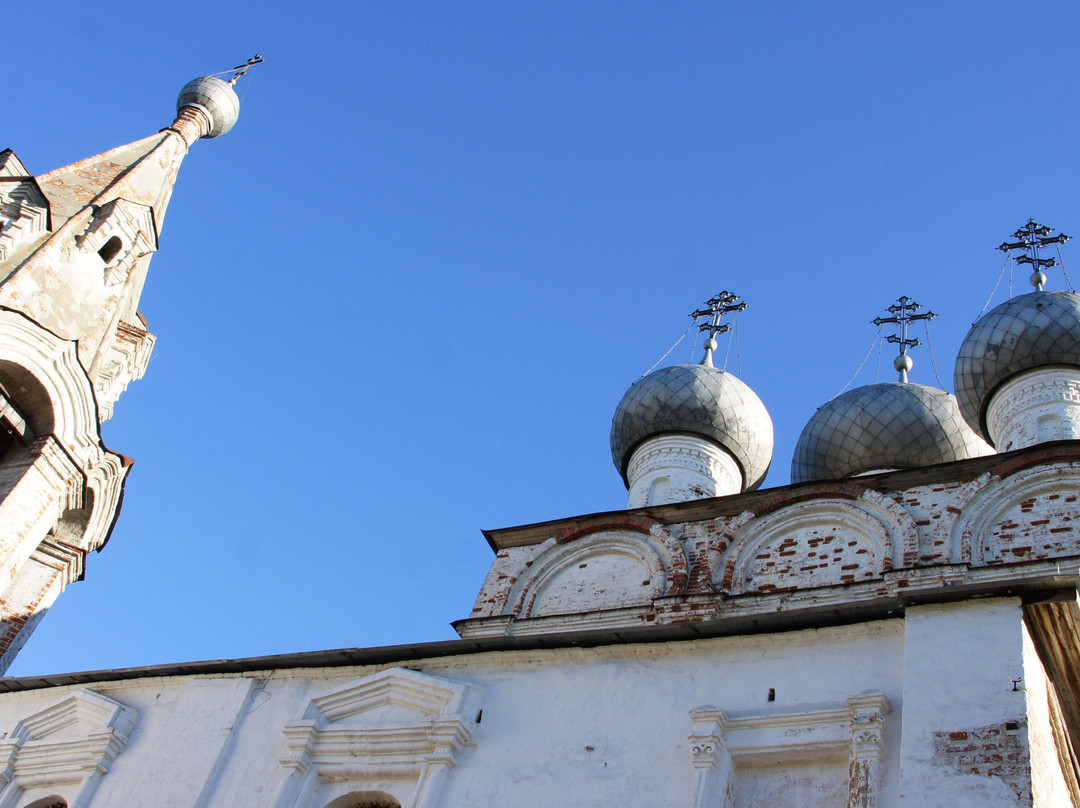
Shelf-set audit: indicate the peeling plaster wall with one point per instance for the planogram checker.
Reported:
(563, 727)
(609, 725)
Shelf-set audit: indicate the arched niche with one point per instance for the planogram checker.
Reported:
(365, 799)
(52, 801)
(818, 541)
(603, 569)
(1019, 517)
(49, 382)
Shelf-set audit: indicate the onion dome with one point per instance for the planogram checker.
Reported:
(216, 99)
(883, 426)
(696, 400)
(1037, 330)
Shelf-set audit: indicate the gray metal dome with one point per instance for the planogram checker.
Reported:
(883, 426)
(1029, 331)
(214, 97)
(695, 400)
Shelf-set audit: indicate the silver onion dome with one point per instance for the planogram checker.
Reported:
(214, 97)
(696, 400)
(883, 426)
(1039, 329)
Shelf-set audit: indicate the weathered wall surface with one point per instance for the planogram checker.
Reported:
(885, 713)
(809, 546)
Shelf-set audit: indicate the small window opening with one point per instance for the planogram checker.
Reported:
(49, 802)
(365, 799)
(110, 249)
(772, 694)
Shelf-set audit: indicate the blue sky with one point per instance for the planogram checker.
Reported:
(399, 302)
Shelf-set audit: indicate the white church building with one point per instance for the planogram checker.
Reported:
(897, 627)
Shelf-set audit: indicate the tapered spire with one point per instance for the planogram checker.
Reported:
(81, 275)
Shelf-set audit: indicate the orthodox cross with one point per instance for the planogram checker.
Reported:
(715, 309)
(1032, 237)
(903, 314)
(245, 67)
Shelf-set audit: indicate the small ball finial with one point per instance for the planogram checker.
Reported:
(903, 363)
(1038, 279)
(215, 99)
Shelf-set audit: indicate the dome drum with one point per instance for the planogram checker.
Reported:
(1037, 330)
(1035, 407)
(677, 468)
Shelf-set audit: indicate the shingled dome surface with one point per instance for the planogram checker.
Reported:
(696, 400)
(883, 426)
(1039, 329)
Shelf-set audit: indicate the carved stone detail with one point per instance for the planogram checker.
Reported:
(133, 224)
(1035, 407)
(398, 724)
(720, 742)
(125, 361)
(678, 468)
(867, 750)
(90, 729)
(24, 209)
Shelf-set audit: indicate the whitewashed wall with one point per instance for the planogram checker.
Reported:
(600, 726)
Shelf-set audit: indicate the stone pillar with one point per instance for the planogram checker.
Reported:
(1035, 407)
(965, 741)
(38, 483)
(865, 763)
(677, 468)
(33, 591)
(714, 771)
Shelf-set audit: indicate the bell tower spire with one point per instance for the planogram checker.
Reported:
(75, 248)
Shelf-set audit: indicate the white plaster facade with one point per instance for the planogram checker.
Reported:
(783, 719)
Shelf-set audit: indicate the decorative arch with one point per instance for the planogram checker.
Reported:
(825, 540)
(72, 743)
(1018, 517)
(53, 363)
(394, 735)
(607, 568)
(61, 401)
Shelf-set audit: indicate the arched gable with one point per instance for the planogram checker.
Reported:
(1020, 517)
(607, 568)
(818, 540)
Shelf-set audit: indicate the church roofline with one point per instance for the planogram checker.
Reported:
(1047, 585)
(766, 499)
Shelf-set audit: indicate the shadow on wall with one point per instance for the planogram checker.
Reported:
(359, 799)
(49, 802)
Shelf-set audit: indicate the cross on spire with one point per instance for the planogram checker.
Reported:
(245, 67)
(1032, 237)
(903, 314)
(715, 309)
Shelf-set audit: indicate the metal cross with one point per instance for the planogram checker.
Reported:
(903, 314)
(1032, 237)
(717, 307)
(245, 67)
